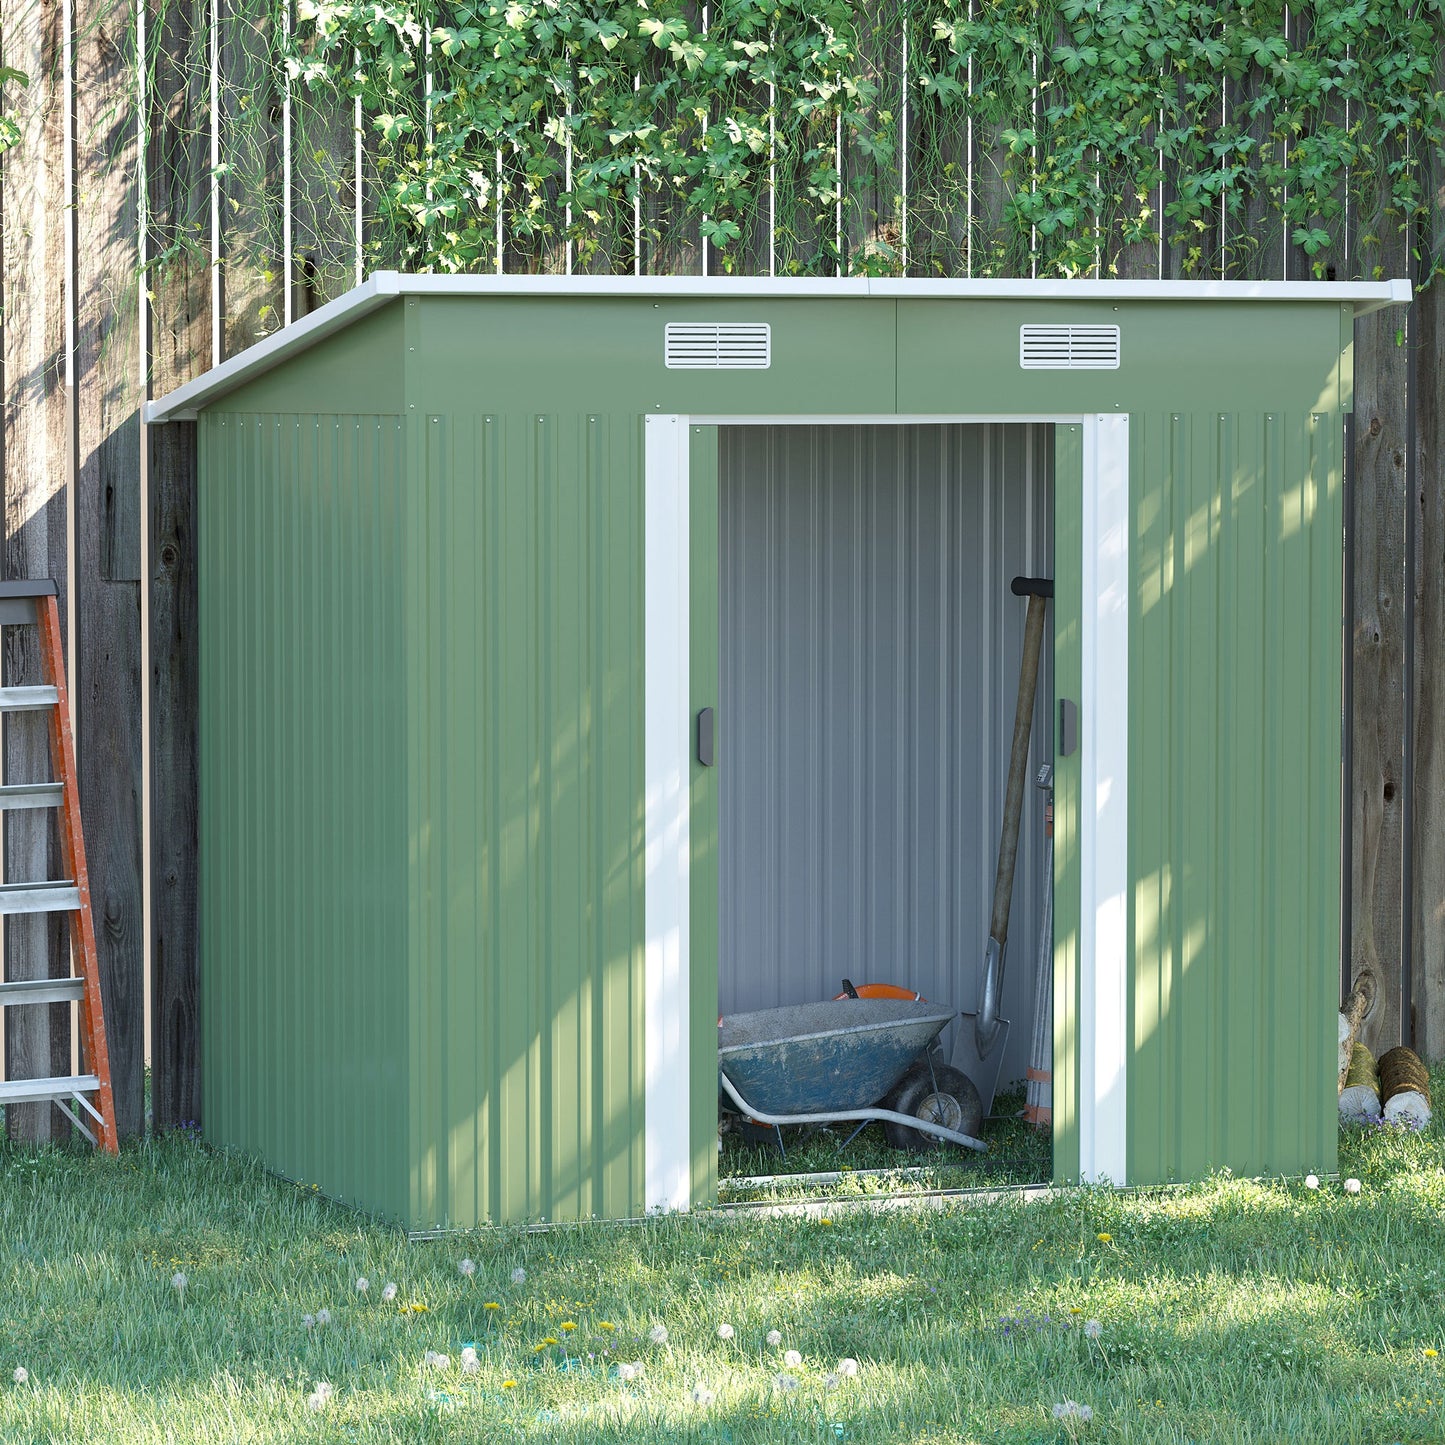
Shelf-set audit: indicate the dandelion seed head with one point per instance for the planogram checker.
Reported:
(775, 1337)
(362, 1285)
(1072, 1410)
(1312, 1181)
(658, 1334)
(435, 1361)
(388, 1292)
(724, 1332)
(469, 1354)
(22, 1375)
(626, 1372)
(309, 1321)
(848, 1368)
(831, 1381)
(1352, 1186)
(323, 1317)
(179, 1282)
(467, 1268)
(519, 1275)
(792, 1357)
(1093, 1329)
(785, 1383)
(701, 1395)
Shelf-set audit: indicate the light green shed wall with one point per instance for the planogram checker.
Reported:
(1234, 791)
(524, 607)
(303, 901)
(421, 731)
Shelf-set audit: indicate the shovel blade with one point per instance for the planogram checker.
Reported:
(982, 1070)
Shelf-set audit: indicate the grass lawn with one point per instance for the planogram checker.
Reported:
(1234, 1310)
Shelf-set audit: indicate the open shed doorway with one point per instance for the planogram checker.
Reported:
(869, 654)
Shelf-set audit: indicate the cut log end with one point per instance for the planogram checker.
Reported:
(1408, 1107)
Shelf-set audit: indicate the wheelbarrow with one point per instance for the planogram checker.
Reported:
(830, 1062)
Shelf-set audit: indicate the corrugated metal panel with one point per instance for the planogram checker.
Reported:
(1234, 791)
(528, 1041)
(302, 838)
(870, 649)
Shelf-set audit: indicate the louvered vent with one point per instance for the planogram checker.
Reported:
(1069, 348)
(719, 345)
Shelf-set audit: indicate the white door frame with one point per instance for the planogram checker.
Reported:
(1103, 1027)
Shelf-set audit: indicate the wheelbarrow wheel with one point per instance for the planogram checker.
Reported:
(942, 1095)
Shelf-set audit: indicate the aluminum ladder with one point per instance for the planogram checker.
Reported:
(84, 1098)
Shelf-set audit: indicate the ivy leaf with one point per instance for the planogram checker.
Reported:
(1075, 60)
(393, 127)
(1312, 240)
(453, 42)
(720, 232)
(944, 88)
(664, 32)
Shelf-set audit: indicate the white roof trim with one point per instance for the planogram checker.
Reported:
(381, 287)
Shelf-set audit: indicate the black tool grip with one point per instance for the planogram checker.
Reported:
(1032, 587)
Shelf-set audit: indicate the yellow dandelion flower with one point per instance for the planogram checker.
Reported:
(1106, 1239)
(825, 1221)
(551, 1340)
(605, 1325)
(491, 1304)
(1431, 1354)
(1075, 1310)
(509, 1384)
(568, 1326)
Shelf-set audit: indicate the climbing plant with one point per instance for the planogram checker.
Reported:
(941, 137)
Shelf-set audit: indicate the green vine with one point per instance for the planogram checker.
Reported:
(9, 128)
(1058, 137)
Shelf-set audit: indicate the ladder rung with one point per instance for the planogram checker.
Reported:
(36, 1091)
(25, 699)
(39, 898)
(32, 795)
(42, 990)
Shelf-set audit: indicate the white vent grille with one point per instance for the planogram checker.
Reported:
(1069, 348)
(719, 345)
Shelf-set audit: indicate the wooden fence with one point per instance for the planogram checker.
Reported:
(130, 164)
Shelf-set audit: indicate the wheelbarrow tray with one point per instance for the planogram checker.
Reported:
(836, 1056)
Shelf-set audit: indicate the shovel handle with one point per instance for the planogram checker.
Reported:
(1018, 767)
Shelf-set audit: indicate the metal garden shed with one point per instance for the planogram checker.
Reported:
(474, 553)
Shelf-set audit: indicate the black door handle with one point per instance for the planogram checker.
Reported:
(706, 747)
(1068, 727)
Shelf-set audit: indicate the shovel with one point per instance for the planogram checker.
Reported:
(979, 1048)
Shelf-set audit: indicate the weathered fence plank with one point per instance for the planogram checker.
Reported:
(178, 172)
(175, 656)
(37, 468)
(1426, 1028)
(107, 544)
(1378, 643)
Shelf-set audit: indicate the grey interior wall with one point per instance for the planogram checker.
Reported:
(870, 651)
